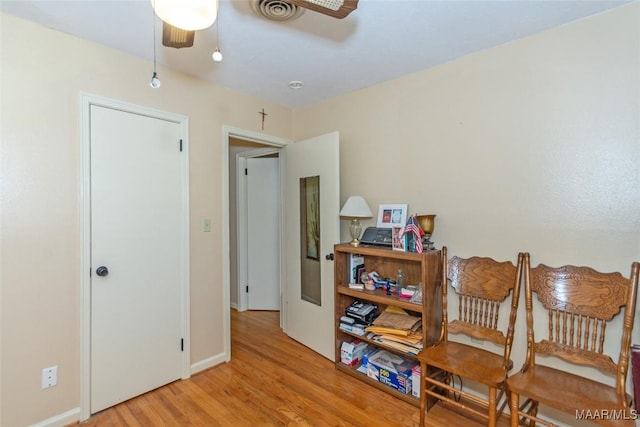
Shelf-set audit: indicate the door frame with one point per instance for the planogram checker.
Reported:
(86, 101)
(260, 138)
(242, 216)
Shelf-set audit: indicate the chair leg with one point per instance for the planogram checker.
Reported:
(448, 381)
(492, 407)
(514, 404)
(534, 412)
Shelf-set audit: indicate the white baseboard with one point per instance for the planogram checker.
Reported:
(66, 418)
(209, 363)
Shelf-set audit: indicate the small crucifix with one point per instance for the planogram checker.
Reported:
(263, 116)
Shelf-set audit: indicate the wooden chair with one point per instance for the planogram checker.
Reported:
(580, 303)
(481, 284)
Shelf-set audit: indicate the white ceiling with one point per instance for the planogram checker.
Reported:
(381, 40)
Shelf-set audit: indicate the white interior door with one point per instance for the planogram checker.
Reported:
(263, 233)
(138, 233)
(308, 322)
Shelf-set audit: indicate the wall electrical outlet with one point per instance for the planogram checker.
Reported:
(49, 377)
(206, 225)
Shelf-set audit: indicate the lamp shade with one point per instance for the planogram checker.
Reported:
(356, 207)
(188, 15)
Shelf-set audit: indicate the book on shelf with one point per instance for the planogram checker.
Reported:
(356, 265)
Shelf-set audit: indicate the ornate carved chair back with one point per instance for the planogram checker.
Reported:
(482, 285)
(580, 303)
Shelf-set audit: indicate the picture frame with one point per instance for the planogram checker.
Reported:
(392, 215)
(397, 240)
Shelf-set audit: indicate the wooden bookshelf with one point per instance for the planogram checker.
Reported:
(424, 269)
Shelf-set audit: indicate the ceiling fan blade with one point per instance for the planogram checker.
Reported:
(176, 37)
(336, 8)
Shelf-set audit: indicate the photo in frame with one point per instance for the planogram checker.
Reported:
(390, 216)
(397, 239)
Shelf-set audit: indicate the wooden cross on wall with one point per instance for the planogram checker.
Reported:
(263, 116)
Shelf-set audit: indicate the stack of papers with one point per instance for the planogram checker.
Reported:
(397, 329)
(411, 344)
(398, 321)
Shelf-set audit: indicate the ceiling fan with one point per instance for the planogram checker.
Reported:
(177, 37)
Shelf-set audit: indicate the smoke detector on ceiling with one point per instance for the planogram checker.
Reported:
(276, 10)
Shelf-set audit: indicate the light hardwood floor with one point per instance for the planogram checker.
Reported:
(271, 380)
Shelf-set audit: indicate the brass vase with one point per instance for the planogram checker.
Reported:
(427, 223)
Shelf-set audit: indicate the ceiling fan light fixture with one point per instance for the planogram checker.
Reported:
(176, 37)
(155, 81)
(217, 55)
(188, 15)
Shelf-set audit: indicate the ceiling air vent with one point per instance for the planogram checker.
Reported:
(336, 8)
(276, 10)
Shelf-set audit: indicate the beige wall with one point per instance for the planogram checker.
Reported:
(43, 74)
(530, 146)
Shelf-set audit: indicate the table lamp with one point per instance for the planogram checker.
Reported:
(355, 208)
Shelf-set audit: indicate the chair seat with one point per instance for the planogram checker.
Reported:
(565, 391)
(470, 362)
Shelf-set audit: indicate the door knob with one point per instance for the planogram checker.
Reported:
(102, 271)
(329, 257)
